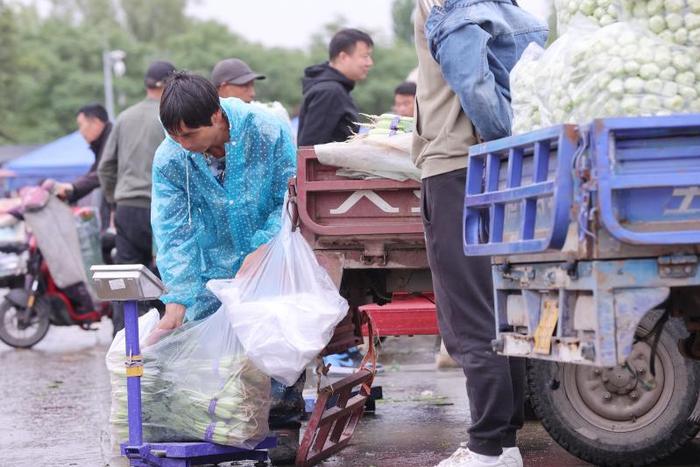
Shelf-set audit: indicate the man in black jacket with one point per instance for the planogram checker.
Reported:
(328, 112)
(94, 126)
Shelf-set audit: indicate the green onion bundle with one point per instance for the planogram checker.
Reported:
(196, 386)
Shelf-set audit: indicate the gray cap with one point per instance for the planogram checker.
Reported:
(234, 71)
(157, 72)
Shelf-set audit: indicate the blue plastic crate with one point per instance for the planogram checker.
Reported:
(519, 193)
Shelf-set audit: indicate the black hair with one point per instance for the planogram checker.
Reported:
(94, 111)
(187, 99)
(345, 40)
(407, 88)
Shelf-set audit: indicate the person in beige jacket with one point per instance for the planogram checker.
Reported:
(463, 288)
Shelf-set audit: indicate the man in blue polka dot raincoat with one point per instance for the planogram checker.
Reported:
(219, 181)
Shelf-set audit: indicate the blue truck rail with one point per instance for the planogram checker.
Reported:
(590, 227)
(645, 190)
(538, 167)
(655, 164)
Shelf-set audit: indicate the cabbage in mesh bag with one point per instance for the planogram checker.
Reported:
(676, 21)
(591, 72)
(602, 12)
(197, 386)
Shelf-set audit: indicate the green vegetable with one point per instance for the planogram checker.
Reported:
(188, 399)
(672, 20)
(615, 70)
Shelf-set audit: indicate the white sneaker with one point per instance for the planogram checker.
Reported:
(463, 457)
(511, 457)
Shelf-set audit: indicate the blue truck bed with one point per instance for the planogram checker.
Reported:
(586, 190)
(590, 227)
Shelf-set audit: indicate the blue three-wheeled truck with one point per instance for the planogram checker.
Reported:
(594, 234)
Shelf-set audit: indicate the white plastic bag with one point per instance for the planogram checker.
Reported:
(197, 386)
(384, 156)
(526, 105)
(285, 309)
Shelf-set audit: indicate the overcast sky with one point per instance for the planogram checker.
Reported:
(286, 23)
(290, 23)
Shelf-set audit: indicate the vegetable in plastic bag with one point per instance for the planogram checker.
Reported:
(371, 156)
(197, 386)
(592, 72)
(526, 111)
(676, 21)
(602, 12)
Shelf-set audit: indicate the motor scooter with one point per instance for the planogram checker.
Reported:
(54, 289)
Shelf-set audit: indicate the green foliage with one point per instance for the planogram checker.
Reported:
(401, 14)
(154, 20)
(9, 36)
(391, 66)
(52, 63)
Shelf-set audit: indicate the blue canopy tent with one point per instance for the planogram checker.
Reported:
(64, 160)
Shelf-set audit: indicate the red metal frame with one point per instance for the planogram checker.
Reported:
(357, 224)
(362, 219)
(338, 409)
(406, 315)
(330, 430)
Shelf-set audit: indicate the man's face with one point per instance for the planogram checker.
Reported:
(403, 105)
(199, 139)
(245, 92)
(357, 64)
(90, 128)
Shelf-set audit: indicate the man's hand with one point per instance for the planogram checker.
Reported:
(172, 319)
(251, 260)
(62, 190)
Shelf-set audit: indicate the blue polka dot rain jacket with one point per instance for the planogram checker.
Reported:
(203, 229)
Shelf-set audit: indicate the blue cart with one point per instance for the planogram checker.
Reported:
(594, 234)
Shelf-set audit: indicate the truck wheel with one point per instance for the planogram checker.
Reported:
(24, 335)
(622, 415)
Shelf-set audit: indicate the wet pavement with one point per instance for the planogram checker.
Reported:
(56, 406)
(56, 400)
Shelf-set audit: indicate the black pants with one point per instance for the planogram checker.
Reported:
(464, 298)
(134, 243)
(134, 235)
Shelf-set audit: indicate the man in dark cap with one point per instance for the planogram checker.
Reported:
(234, 78)
(125, 173)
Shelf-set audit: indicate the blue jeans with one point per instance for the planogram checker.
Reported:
(477, 43)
